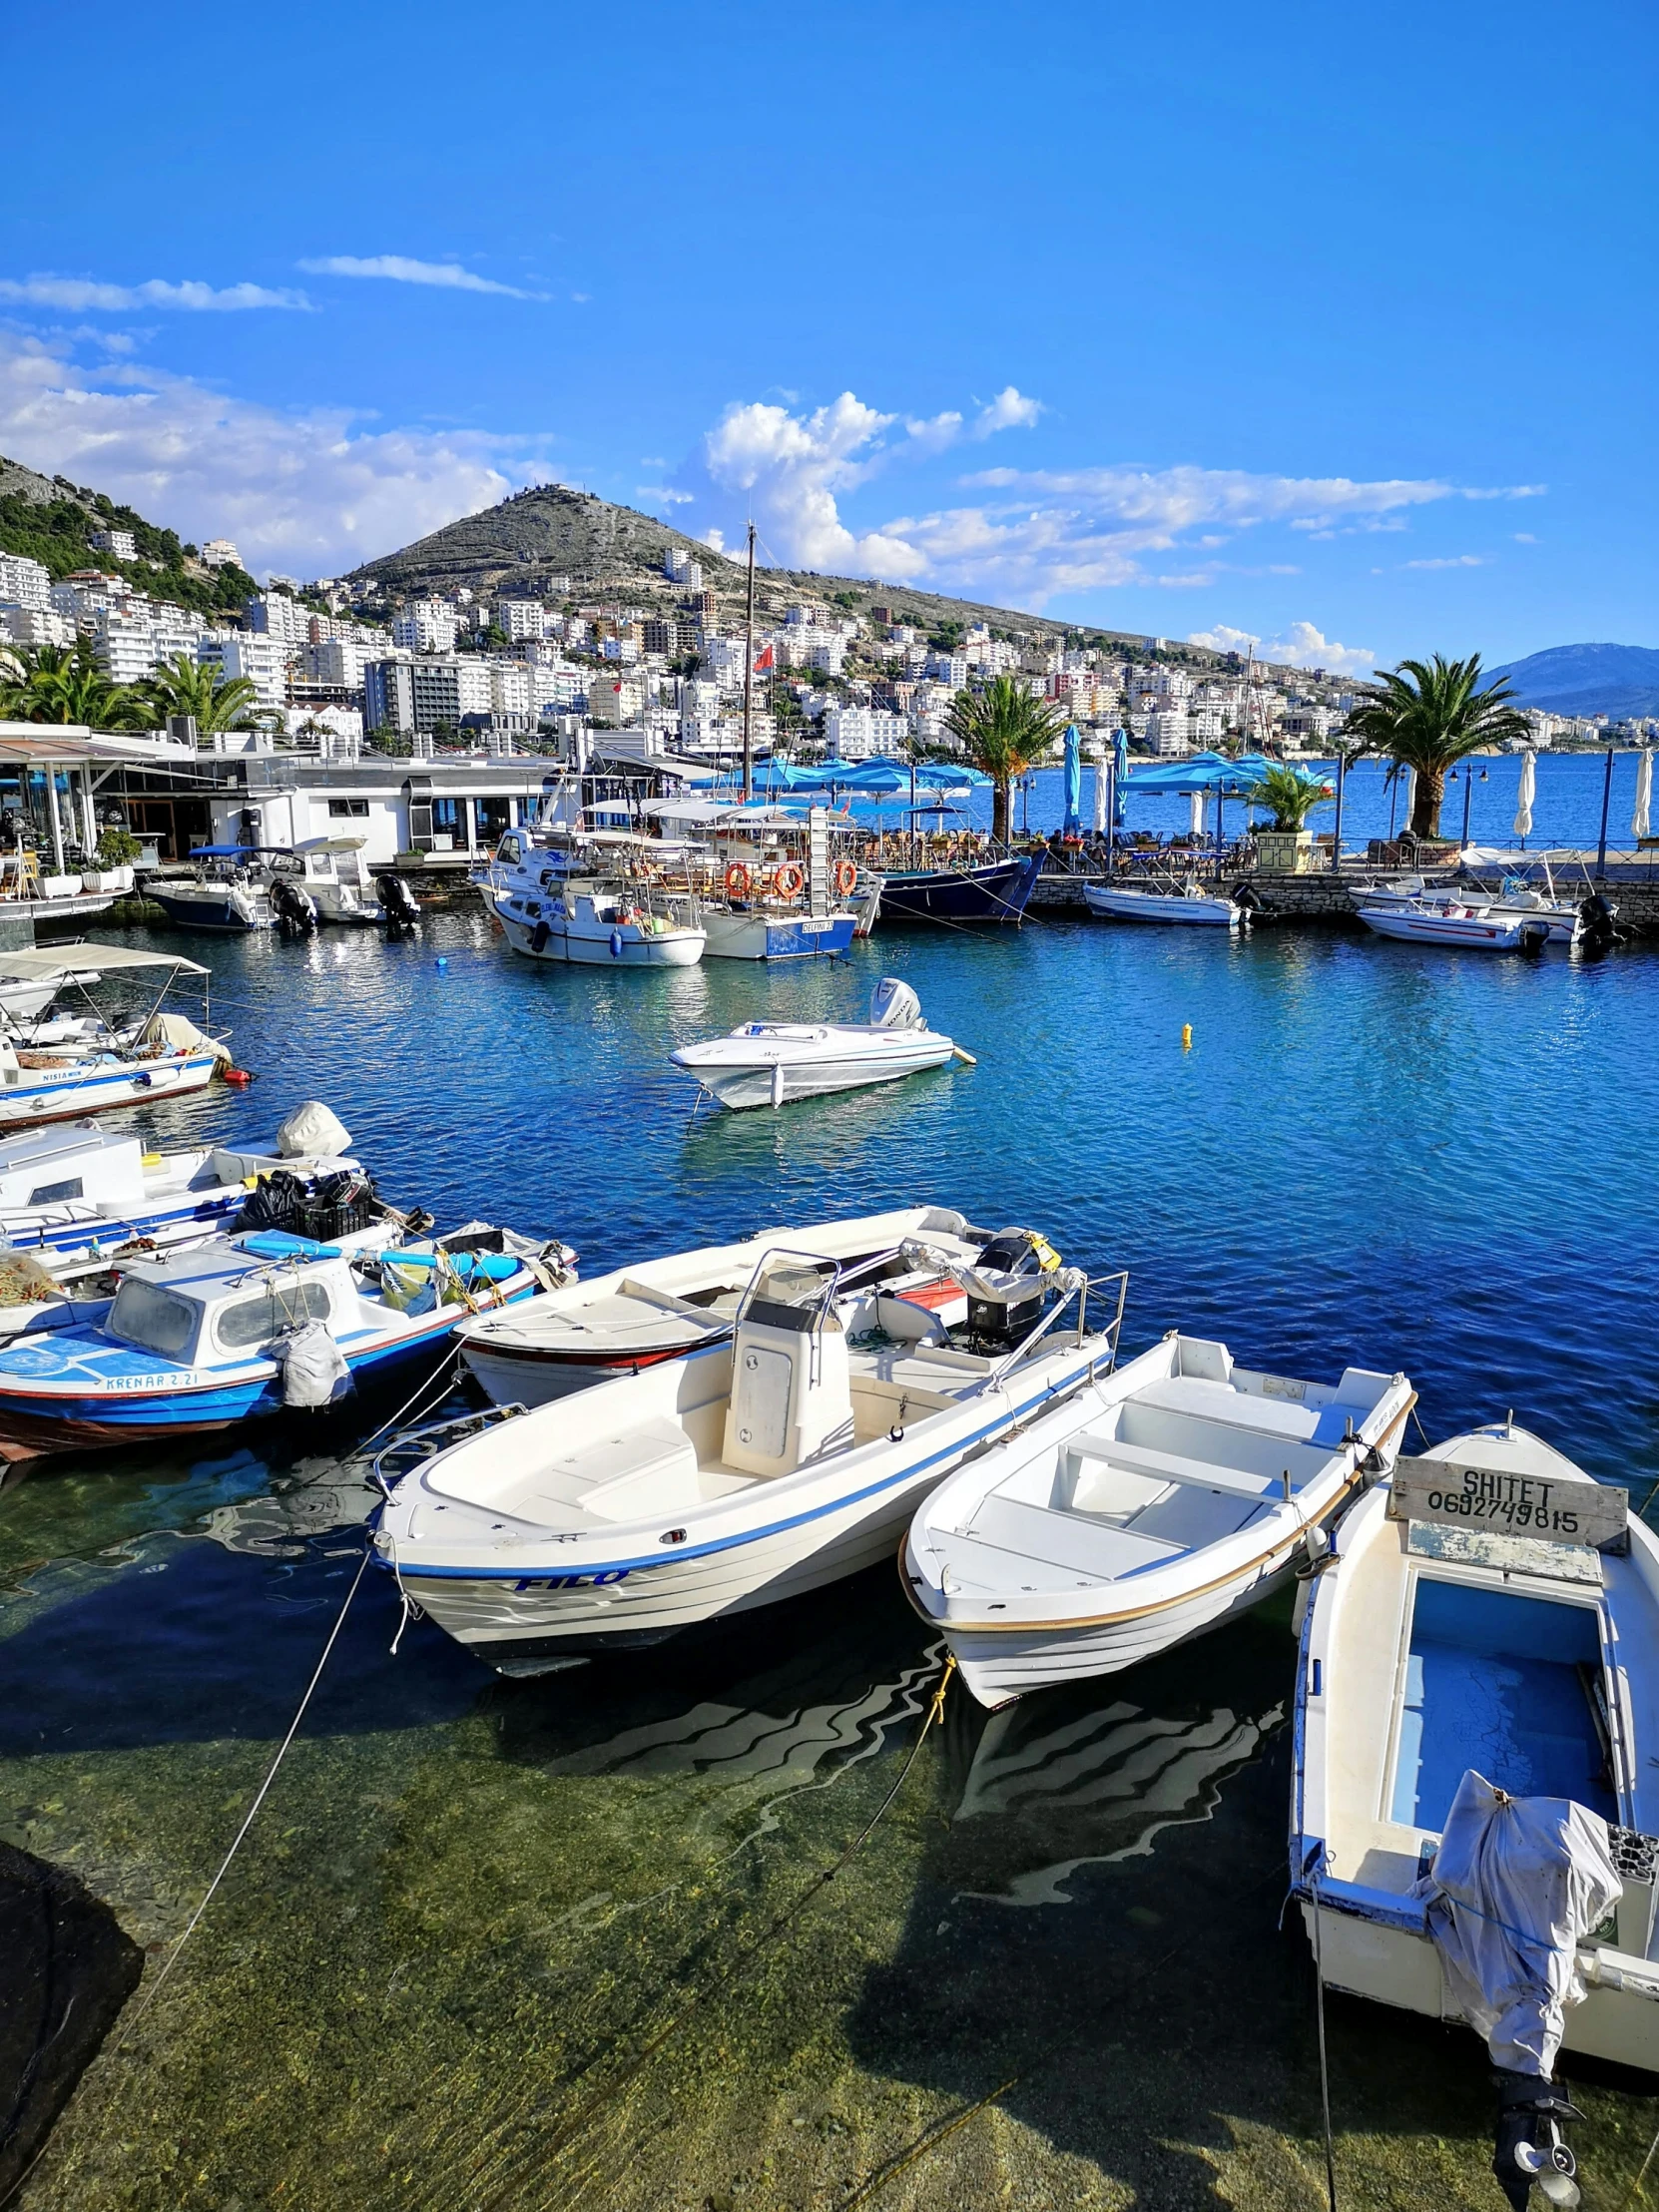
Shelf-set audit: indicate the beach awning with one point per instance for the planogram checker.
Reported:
(42, 960)
(1207, 772)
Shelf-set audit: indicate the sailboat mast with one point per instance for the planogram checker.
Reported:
(749, 679)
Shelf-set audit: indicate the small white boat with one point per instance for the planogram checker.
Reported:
(1495, 1611)
(335, 877)
(1515, 902)
(768, 1063)
(766, 1467)
(1182, 904)
(1450, 922)
(1161, 1499)
(45, 1076)
(671, 1308)
(229, 891)
(602, 926)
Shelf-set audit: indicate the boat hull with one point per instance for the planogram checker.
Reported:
(997, 892)
(1130, 905)
(782, 1082)
(121, 1084)
(1468, 934)
(761, 936)
(230, 914)
(532, 1376)
(623, 944)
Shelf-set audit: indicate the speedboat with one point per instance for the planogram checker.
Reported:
(201, 1340)
(681, 1307)
(1185, 902)
(617, 925)
(769, 1465)
(1473, 928)
(766, 1063)
(229, 891)
(335, 877)
(1160, 1500)
(1515, 901)
(1486, 1625)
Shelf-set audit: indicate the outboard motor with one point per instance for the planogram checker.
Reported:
(1531, 2113)
(296, 915)
(1535, 935)
(399, 904)
(1008, 1284)
(1597, 914)
(894, 1005)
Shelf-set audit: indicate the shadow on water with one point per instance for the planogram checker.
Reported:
(1095, 1935)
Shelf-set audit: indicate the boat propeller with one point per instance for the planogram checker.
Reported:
(1530, 2149)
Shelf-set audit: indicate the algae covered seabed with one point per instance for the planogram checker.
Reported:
(501, 1944)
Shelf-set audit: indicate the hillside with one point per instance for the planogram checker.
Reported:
(1614, 680)
(47, 519)
(608, 551)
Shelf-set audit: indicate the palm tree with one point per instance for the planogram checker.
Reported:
(186, 686)
(1428, 716)
(1004, 730)
(1292, 794)
(56, 683)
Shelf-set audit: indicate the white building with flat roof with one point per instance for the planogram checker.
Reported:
(262, 660)
(25, 583)
(865, 733)
(220, 553)
(428, 626)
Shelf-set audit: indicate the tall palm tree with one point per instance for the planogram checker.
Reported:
(1428, 716)
(1004, 730)
(186, 686)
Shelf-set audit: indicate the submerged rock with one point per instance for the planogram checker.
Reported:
(70, 1966)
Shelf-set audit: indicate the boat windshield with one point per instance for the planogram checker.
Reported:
(159, 1321)
(789, 1290)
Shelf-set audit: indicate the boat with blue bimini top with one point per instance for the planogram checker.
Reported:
(781, 1459)
(202, 1339)
(228, 892)
(1476, 1748)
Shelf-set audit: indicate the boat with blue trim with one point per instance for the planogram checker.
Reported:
(978, 892)
(74, 1067)
(202, 1339)
(783, 1457)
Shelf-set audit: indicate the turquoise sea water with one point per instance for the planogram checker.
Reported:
(468, 1900)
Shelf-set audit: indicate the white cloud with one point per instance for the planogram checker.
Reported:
(83, 294)
(313, 494)
(1300, 646)
(665, 493)
(1524, 537)
(1453, 560)
(398, 268)
(1010, 410)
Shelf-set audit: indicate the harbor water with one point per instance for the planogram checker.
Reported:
(562, 1942)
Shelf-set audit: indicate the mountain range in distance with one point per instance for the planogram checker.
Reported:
(1614, 680)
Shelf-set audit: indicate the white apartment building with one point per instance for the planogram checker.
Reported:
(262, 659)
(615, 701)
(133, 637)
(722, 658)
(338, 663)
(274, 615)
(118, 544)
(949, 667)
(428, 626)
(220, 553)
(25, 583)
(511, 698)
(865, 733)
(33, 626)
(519, 618)
(1169, 730)
(827, 655)
(78, 598)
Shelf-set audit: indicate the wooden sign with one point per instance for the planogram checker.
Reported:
(1596, 1515)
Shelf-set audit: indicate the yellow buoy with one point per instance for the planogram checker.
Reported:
(1186, 1036)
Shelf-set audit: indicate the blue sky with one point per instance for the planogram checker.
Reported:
(1332, 327)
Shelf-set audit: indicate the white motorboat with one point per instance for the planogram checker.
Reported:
(1181, 903)
(1497, 1610)
(765, 1468)
(335, 877)
(229, 891)
(595, 926)
(1514, 901)
(25, 999)
(1452, 923)
(45, 1077)
(671, 1308)
(768, 1063)
(1158, 1501)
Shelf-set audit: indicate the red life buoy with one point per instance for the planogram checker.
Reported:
(738, 880)
(846, 878)
(788, 881)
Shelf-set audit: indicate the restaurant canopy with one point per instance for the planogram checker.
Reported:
(1210, 771)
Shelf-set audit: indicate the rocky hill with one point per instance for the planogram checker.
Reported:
(610, 551)
(1614, 680)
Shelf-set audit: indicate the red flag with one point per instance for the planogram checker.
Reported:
(764, 663)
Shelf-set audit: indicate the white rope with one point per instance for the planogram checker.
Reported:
(260, 1798)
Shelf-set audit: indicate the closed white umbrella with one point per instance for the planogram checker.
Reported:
(1644, 794)
(1528, 791)
(1100, 795)
(1195, 814)
(1408, 796)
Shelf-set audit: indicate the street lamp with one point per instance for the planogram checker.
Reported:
(1468, 793)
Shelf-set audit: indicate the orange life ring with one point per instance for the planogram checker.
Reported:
(846, 878)
(738, 879)
(787, 880)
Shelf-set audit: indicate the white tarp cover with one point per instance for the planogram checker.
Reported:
(312, 1131)
(1515, 1885)
(313, 1366)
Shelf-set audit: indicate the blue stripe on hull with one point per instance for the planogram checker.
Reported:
(788, 940)
(77, 1236)
(995, 893)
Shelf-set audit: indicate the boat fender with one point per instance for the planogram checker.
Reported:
(540, 936)
(1316, 1551)
(238, 1077)
(615, 944)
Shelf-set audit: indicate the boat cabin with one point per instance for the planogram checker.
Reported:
(219, 1307)
(70, 1165)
